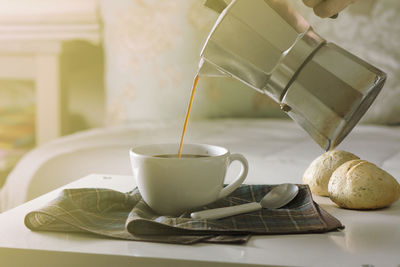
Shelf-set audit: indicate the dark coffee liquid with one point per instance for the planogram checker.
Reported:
(181, 156)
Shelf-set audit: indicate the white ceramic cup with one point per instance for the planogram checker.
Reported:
(171, 186)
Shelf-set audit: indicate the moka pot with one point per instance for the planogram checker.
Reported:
(272, 49)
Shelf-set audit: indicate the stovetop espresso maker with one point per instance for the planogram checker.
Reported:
(271, 48)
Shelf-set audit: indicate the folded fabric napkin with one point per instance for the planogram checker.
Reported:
(126, 216)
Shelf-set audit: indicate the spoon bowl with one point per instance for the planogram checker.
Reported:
(279, 196)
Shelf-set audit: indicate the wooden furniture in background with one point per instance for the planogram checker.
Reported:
(32, 34)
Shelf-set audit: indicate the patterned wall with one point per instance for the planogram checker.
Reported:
(152, 51)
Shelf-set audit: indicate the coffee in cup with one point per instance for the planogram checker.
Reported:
(180, 156)
(171, 185)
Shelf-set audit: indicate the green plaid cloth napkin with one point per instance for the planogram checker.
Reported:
(126, 216)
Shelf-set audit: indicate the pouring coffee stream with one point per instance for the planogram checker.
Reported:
(195, 82)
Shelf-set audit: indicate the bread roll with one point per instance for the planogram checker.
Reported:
(359, 184)
(320, 170)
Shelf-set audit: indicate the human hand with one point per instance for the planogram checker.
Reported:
(290, 15)
(327, 8)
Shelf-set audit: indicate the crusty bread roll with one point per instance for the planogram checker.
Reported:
(359, 184)
(320, 170)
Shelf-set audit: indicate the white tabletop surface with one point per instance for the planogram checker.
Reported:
(370, 238)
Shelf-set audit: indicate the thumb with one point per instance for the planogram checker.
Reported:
(329, 8)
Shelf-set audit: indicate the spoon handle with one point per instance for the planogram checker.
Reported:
(225, 212)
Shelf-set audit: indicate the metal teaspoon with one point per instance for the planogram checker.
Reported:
(278, 197)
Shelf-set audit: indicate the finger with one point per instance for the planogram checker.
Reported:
(284, 9)
(311, 3)
(329, 8)
(334, 16)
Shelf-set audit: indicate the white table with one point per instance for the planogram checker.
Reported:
(370, 238)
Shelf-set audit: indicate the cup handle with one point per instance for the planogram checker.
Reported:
(239, 180)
